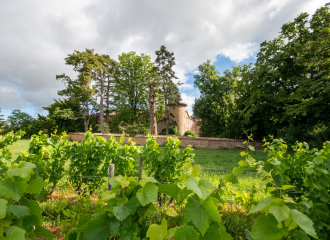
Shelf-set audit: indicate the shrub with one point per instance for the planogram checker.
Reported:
(173, 130)
(223, 135)
(190, 133)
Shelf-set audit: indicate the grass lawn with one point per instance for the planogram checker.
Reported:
(19, 146)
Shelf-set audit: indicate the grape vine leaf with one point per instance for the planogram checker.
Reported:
(171, 190)
(128, 229)
(170, 232)
(157, 232)
(182, 195)
(318, 160)
(147, 194)
(17, 210)
(215, 232)
(22, 169)
(186, 233)
(280, 212)
(202, 189)
(3, 207)
(35, 186)
(201, 213)
(304, 222)
(123, 211)
(15, 233)
(43, 232)
(195, 171)
(13, 189)
(34, 208)
(300, 235)
(261, 205)
(265, 227)
(98, 228)
(230, 177)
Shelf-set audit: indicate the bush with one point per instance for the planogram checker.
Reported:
(190, 133)
(223, 135)
(173, 130)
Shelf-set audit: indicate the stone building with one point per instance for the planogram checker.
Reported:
(181, 118)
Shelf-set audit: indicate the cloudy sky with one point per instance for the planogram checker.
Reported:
(36, 36)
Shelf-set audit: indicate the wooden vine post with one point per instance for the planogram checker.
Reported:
(111, 174)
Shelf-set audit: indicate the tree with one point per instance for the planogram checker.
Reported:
(89, 66)
(154, 83)
(18, 120)
(131, 87)
(164, 62)
(216, 103)
(289, 84)
(2, 120)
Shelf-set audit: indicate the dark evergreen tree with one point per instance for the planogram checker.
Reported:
(164, 62)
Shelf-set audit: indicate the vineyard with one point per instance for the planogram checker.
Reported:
(159, 193)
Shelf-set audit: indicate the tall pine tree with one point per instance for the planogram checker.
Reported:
(164, 62)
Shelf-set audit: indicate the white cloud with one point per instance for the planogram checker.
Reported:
(38, 35)
(189, 100)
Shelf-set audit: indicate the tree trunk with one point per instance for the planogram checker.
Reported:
(86, 117)
(107, 101)
(166, 117)
(101, 102)
(152, 104)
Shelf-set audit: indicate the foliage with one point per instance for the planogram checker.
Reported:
(190, 133)
(5, 154)
(55, 121)
(164, 62)
(173, 130)
(135, 128)
(129, 202)
(20, 214)
(131, 88)
(170, 167)
(289, 84)
(216, 106)
(289, 214)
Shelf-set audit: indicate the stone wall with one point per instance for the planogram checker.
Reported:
(196, 142)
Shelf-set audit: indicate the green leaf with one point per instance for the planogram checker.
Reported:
(33, 207)
(157, 232)
(114, 227)
(186, 233)
(12, 189)
(230, 177)
(23, 169)
(251, 148)
(202, 189)
(304, 222)
(318, 160)
(183, 195)
(171, 212)
(261, 205)
(147, 194)
(128, 229)
(300, 235)
(122, 212)
(43, 232)
(195, 171)
(201, 213)
(18, 211)
(265, 227)
(242, 163)
(280, 212)
(15, 233)
(171, 190)
(285, 187)
(98, 228)
(35, 186)
(215, 232)
(238, 170)
(170, 232)
(3, 207)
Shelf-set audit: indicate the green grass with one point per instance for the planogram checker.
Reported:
(17, 147)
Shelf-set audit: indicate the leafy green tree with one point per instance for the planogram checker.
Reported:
(19, 120)
(164, 62)
(216, 103)
(289, 84)
(2, 120)
(131, 87)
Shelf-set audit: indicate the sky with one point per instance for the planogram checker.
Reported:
(36, 36)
